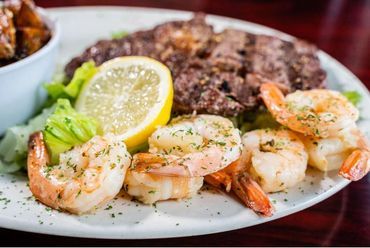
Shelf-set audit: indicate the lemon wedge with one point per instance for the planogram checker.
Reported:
(129, 96)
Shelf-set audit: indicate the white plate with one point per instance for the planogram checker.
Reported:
(208, 212)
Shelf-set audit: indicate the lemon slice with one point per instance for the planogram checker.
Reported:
(129, 96)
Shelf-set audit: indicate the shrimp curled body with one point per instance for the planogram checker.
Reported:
(150, 188)
(276, 159)
(320, 113)
(327, 121)
(86, 177)
(271, 161)
(180, 154)
(191, 146)
(348, 151)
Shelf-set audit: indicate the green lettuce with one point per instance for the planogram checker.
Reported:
(66, 128)
(13, 147)
(353, 96)
(119, 34)
(57, 89)
(139, 148)
(62, 126)
(256, 119)
(262, 120)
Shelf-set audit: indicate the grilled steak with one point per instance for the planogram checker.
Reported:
(216, 73)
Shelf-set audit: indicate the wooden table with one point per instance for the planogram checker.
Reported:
(339, 27)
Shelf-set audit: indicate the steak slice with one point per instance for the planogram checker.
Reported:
(205, 91)
(138, 43)
(305, 71)
(229, 52)
(266, 57)
(216, 73)
(173, 43)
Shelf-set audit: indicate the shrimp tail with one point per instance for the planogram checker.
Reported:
(247, 190)
(356, 166)
(37, 149)
(273, 99)
(251, 194)
(219, 180)
(38, 157)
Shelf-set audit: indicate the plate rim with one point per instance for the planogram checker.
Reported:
(19, 224)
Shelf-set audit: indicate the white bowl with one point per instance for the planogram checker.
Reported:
(21, 92)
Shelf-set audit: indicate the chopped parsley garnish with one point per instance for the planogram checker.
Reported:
(108, 208)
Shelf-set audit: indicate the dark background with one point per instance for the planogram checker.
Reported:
(339, 27)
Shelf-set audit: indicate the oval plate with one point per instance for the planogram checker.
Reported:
(208, 212)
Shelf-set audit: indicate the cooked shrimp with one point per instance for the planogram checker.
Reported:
(179, 155)
(328, 120)
(191, 146)
(276, 159)
(319, 112)
(271, 159)
(347, 151)
(150, 188)
(356, 166)
(235, 177)
(86, 177)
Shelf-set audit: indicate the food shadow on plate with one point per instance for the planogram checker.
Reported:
(20, 176)
(225, 205)
(209, 203)
(122, 210)
(315, 183)
(128, 211)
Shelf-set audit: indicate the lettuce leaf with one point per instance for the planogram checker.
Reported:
(58, 89)
(82, 75)
(353, 96)
(262, 120)
(63, 126)
(255, 119)
(13, 147)
(66, 128)
(119, 34)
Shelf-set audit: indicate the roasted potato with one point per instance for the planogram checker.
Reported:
(22, 30)
(28, 16)
(7, 34)
(30, 39)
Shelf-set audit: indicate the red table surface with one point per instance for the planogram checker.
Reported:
(339, 27)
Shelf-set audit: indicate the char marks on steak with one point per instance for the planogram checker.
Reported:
(216, 73)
